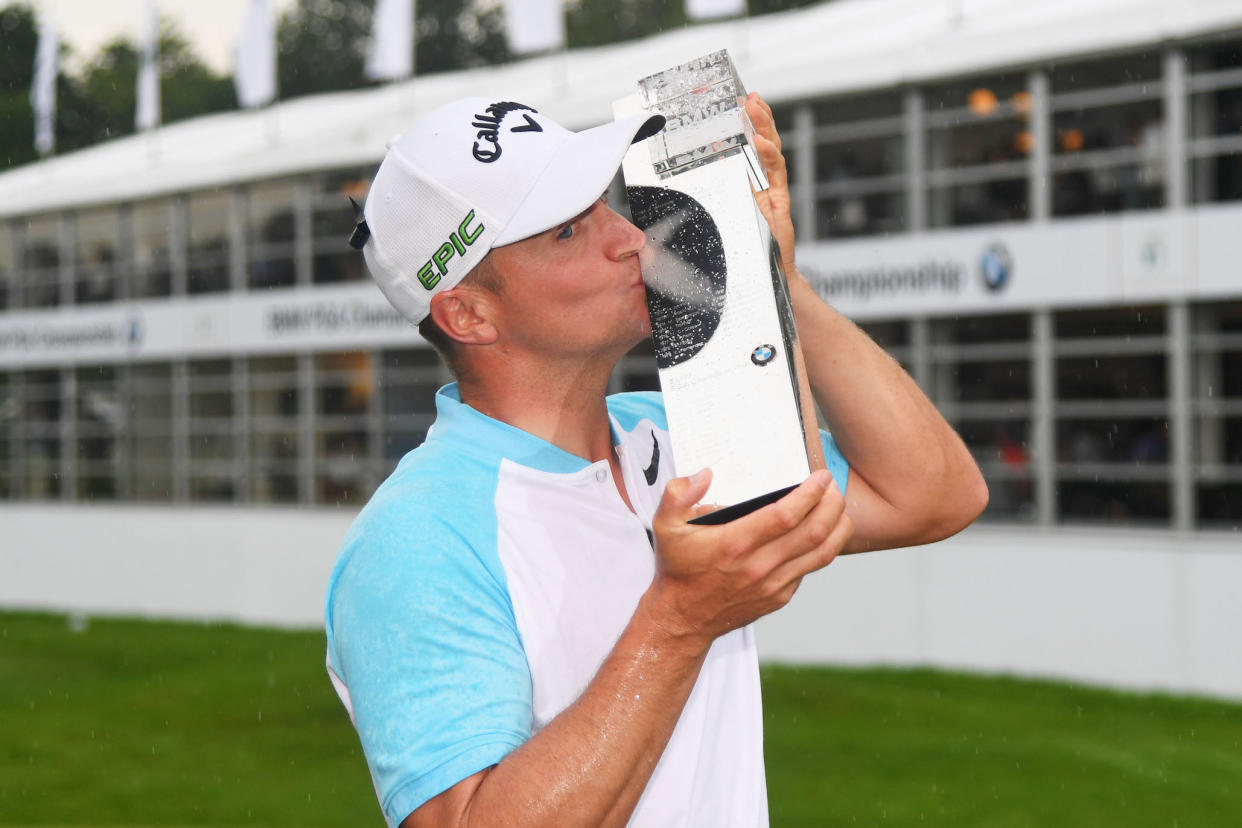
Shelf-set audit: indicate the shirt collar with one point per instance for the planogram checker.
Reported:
(472, 431)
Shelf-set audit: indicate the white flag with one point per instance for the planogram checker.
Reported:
(391, 56)
(147, 113)
(708, 9)
(43, 88)
(534, 25)
(255, 75)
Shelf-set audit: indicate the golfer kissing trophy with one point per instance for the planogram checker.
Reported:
(730, 367)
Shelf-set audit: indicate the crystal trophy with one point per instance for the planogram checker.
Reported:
(730, 366)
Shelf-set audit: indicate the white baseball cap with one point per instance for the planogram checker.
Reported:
(473, 175)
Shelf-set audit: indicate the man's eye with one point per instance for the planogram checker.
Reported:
(566, 233)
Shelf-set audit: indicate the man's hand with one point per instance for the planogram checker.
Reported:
(713, 579)
(774, 202)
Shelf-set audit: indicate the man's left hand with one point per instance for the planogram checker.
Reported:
(773, 202)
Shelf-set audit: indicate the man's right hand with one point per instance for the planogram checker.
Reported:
(713, 579)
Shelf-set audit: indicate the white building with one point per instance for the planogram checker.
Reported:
(1037, 209)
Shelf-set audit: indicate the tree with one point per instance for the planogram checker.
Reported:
(322, 44)
(596, 22)
(20, 36)
(188, 87)
(452, 35)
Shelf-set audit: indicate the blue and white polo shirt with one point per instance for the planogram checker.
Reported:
(479, 591)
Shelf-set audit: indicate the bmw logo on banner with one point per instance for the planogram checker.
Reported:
(996, 266)
(135, 332)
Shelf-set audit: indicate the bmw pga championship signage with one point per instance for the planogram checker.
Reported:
(1106, 260)
(329, 319)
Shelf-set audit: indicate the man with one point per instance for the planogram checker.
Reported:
(524, 626)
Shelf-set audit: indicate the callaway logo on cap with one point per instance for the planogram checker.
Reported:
(474, 175)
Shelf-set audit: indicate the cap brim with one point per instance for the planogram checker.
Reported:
(580, 173)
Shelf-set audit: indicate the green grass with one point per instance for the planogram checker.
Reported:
(133, 723)
(920, 747)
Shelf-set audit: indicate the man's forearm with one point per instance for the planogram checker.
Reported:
(894, 438)
(591, 763)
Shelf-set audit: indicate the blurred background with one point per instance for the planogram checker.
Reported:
(1035, 208)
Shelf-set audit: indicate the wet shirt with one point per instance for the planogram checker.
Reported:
(479, 591)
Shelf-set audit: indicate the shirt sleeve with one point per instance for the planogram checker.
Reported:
(421, 635)
(838, 467)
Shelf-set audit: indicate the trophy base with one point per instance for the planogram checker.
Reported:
(731, 513)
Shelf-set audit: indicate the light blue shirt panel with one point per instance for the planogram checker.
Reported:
(838, 467)
(632, 407)
(423, 633)
(629, 409)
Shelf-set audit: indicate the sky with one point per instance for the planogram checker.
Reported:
(210, 25)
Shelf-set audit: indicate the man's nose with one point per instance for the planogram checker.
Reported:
(629, 239)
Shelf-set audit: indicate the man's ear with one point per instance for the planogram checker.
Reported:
(465, 314)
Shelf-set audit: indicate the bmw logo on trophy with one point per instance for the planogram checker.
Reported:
(730, 366)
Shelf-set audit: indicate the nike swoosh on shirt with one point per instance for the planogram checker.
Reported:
(654, 469)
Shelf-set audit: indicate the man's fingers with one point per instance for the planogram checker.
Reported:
(681, 495)
(761, 116)
(811, 532)
(818, 556)
(776, 519)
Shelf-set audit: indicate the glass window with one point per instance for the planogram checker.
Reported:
(1108, 134)
(860, 165)
(637, 371)
(151, 432)
(1216, 121)
(978, 147)
(409, 380)
(1112, 415)
(1216, 55)
(332, 221)
(1217, 403)
(870, 106)
(982, 383)
(95, 261)
(39, 262)
(99, 429)
(8, 427)
(1216, 113)
(857, 213)
(207, 244)
(212, 442)
(151, 259)
(1143, 67)
(274, 406)
(893, 335)
(271, 229)
(1216, 178)
(8, 286)
(783, 116)
(42, 398)
(345, 393)
(1000, 199)
(1109, 158)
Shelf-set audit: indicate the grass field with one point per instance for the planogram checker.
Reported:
(131, 723)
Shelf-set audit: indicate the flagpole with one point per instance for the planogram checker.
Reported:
(43, 84)
(564, 56)
(744, 36)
